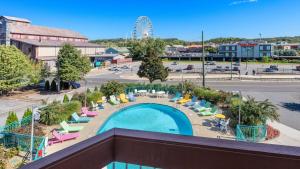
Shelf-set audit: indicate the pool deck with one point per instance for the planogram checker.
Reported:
(201, 125)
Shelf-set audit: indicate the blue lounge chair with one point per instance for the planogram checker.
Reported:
(192, 102)
(198, 105)
(206, 107)
(131, 97)
(176, 98)
(76, 119)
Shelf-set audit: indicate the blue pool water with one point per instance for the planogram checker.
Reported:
(148, 117)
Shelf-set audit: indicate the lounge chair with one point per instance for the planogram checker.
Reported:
(131, 97)
(86, 112)
(123, 98)
(66, 128)
(192, 102)
(60, 137)
(187, 98)
(224, 125)
(213, 111)
(207, 107)
(113, 100)
(94, 105)
(76, 119)
(176, 98)
(198, 105)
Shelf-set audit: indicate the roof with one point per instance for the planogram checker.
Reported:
(42, 30)
(49, 43)
(16, 19)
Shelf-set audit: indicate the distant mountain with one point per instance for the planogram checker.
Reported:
(120, 42)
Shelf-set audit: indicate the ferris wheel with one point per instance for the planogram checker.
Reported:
(142, 28)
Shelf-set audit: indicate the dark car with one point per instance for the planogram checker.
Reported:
(75, 85)
(189, 67)
(274, 67)
(269, 70)
(298, 68)
(236, 68)
(210, 63)
(227, 68)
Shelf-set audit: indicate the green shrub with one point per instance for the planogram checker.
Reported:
(66, 99)
(214, 96)
(186, 87)
(27, 113)
(88, 90)
(94, 96)
(112, 88)
(57, 112)
(78, 97)
(252, 112)
(12, 117)
(96, 89)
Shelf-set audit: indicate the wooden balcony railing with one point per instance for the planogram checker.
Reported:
(169, 151)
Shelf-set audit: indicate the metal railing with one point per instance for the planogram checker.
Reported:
(160, 150)
(251, 133)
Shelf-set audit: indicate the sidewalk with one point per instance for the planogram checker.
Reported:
(288, 136)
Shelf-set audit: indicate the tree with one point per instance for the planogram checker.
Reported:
(72, 65)
(253, 112)
(112, 88)
(16, 69)
(152, 66)
(27, 113)
(12, 117)
(66, 99)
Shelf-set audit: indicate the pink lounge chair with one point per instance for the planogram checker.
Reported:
(85, 111)
(59, 138)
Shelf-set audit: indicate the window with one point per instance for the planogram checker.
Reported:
(233, 48)
(227, 48)
(233, 54)
(226, 54)
(261, 47)
(268, 47)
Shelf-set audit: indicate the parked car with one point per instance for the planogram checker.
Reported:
(125, 67)
(210, 63)
(75, 85)
(174, 63)
(236, 68)
(298, 68)
(274, 67)
(169, 69)
(227, 68)
(189, 67)
(269, 70)
(218, 69)
(237, 64)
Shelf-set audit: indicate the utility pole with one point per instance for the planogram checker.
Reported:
(203, 60)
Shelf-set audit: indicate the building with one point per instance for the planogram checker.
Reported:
(43, 43)
(287, 46)
(246, 50)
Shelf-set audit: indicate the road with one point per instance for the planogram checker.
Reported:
(284, 94)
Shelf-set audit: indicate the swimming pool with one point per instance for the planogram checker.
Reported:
(147, 117)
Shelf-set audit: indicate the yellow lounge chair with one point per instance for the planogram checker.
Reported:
(123, 98)
(184, 100)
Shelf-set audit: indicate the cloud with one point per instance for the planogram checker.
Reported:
(242, 2)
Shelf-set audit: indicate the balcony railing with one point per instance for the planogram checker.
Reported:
(169, 151)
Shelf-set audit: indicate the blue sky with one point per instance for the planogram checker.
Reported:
(183, 19)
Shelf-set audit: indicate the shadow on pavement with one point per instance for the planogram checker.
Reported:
(291, 106)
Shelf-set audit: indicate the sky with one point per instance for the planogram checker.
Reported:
(183, 19)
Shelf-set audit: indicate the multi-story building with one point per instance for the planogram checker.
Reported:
(246, 50)
(43, 43)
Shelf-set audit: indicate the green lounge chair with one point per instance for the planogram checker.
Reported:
(113, 100)
(76, 119)
(205, 108)
(213, 111)
(66, 128)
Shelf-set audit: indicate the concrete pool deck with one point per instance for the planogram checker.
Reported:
(201, 125)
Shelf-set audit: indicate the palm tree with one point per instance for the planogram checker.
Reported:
(254, 112)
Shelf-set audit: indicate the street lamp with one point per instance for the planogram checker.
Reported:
(203, 60)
